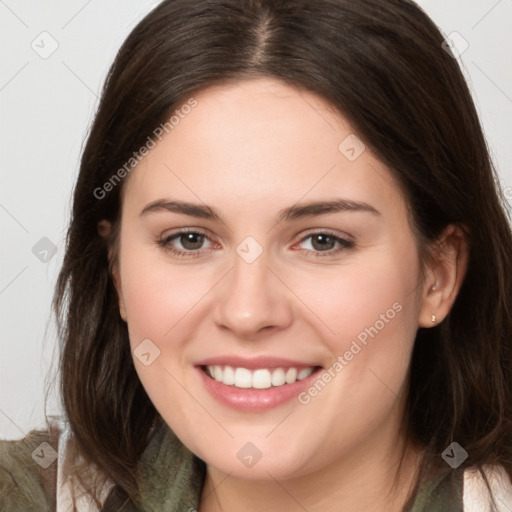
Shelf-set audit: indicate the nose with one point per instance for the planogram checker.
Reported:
(252, 300)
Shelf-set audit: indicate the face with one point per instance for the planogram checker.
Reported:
(306, 315)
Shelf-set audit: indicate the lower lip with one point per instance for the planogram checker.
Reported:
(255, 400)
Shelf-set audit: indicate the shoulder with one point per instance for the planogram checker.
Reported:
(32, 473)
(28, 471)
(476, 496)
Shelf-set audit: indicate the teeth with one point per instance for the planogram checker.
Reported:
(258, 379)
(261, 379)
(278, 377)
(243, 378)
(304, 372)
(291, 375)
(228, 376)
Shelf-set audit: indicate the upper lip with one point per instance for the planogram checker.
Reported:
(254, 362)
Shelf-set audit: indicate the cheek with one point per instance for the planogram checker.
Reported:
(349, 299)
(158, 296)
(162, 302)
(366, 314)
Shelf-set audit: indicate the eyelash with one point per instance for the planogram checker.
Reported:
(165, 244)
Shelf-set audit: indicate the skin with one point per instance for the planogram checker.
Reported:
(249, 149)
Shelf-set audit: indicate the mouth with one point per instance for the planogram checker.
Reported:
(259, 378)
(255, 384)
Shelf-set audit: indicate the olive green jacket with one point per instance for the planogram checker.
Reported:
(171, 479)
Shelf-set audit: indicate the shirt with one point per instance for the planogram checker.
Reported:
(171, 478)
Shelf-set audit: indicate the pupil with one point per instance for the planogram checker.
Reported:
(188, 242)
(323, 239)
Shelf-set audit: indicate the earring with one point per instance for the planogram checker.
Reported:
(434, 318)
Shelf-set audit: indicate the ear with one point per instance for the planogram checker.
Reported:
(104, 229)
(450, 254)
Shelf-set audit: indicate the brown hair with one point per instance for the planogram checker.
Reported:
(381, 64)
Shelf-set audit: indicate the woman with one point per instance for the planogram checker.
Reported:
(287, 282)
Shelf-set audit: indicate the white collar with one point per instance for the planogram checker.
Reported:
(476, 494)
(66, 485)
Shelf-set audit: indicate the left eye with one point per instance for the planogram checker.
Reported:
(325, 242)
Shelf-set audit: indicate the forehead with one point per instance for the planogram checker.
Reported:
(260, 140)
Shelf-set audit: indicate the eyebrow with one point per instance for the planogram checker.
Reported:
(311, 209)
